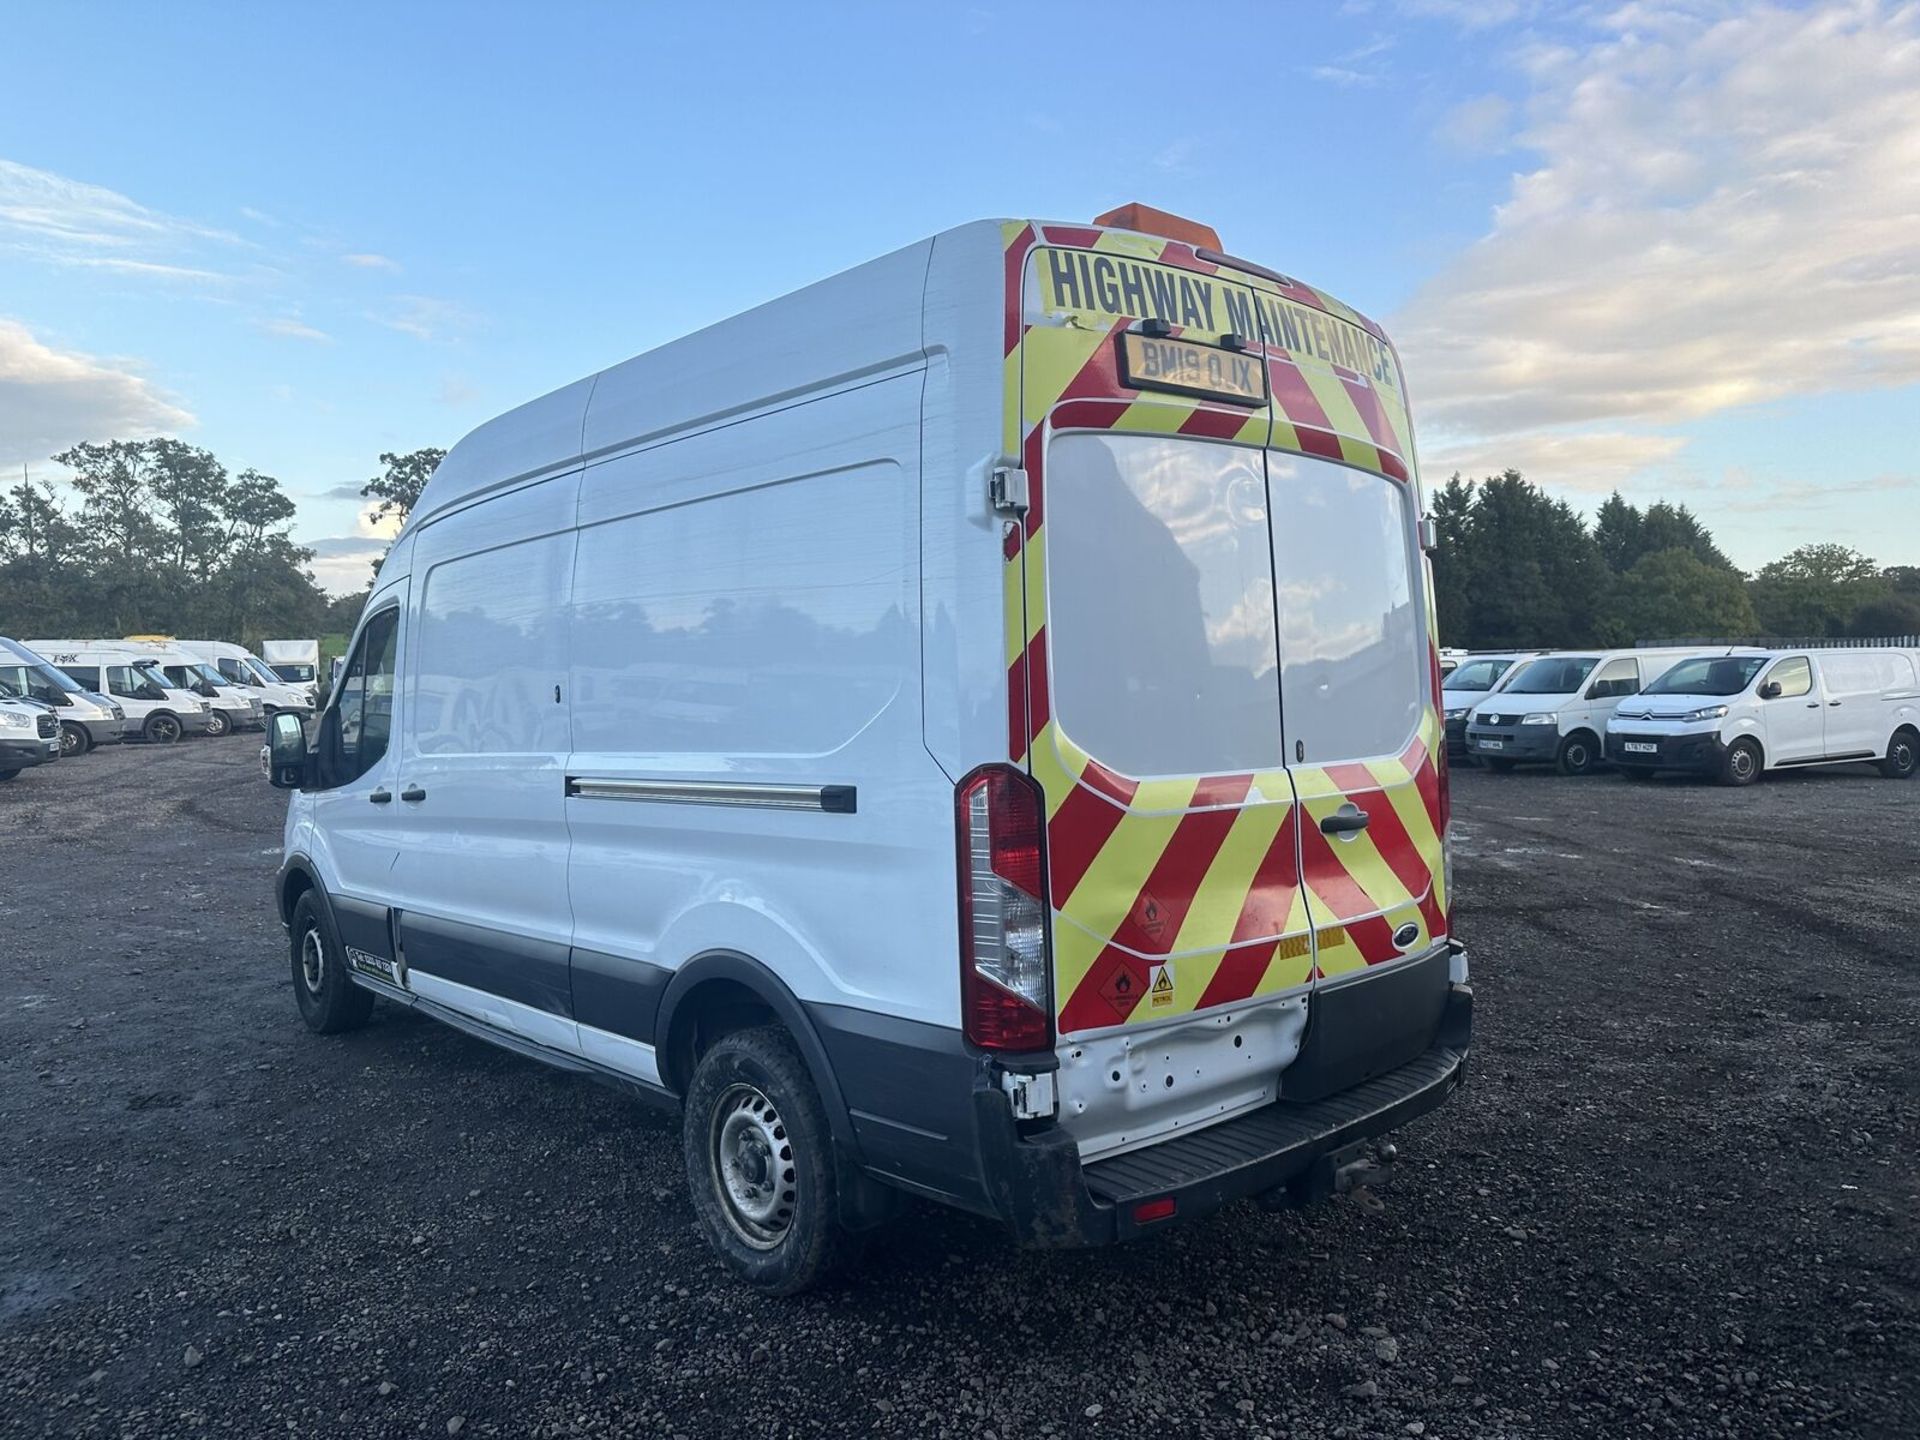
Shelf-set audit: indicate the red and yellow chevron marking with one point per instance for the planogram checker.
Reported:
(1177, 895)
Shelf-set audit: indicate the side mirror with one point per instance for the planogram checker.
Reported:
(1770, 690)
(287, 752)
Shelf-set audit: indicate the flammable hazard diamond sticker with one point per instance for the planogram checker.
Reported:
(1122, 989)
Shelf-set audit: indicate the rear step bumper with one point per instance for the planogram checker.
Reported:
(1051, 1200)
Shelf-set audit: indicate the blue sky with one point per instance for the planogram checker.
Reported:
(1666, 246)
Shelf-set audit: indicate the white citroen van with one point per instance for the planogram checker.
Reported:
(1736, 714)
(86, 719)
(967, 728)
(1553, 709)
(156, 710)
(243, 668)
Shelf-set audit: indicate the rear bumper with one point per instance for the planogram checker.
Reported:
(1701, 754)
(1528, 744)
(1038, 1185)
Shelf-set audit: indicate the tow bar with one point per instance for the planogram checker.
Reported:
(1359, 1169)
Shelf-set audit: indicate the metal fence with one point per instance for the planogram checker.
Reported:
(1798, 642)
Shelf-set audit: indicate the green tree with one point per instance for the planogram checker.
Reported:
(1897, 614)
(1815, 590)
(1674, 594)
(1538, 577)
(1453, 574)
(397, 487)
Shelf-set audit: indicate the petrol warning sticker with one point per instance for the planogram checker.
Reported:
(1160, 987)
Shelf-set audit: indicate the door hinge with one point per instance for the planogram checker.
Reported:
(1007, 489)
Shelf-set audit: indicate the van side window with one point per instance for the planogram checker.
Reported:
(1616, 678)
(124, 682)
(87, 677)
(1794, 677)
(358, 725)
(231, 669)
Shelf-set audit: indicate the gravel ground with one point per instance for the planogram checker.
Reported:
(1676, 1198)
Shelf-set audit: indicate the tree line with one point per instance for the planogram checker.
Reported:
(159, 536)
(1514, 567)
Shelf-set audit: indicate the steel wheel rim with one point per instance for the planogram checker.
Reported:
(69, 741)
(166, 729)
(1742, 763)
(751, 1156)
(1903, 756)
(313, 962)
(216, 724)
(1577, 756)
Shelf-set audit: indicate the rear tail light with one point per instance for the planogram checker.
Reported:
(1004, 998)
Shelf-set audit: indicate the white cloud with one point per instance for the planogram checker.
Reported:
(50, 399)
(369, 261)
(1344, 76)
(1594, 462)
(1476, 125)
(69, 222)
(1468, 14)
(342, 563)
(291, 329)
(426, 318)
(1723, 213)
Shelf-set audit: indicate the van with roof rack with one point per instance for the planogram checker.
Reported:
(1740, 713)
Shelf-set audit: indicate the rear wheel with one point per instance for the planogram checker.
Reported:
(161, 729)
(1579, 754)
(217, 722)
(74, 739)
(1742, 764)
(759, 1159)
(329, 1001)
(1903, 756)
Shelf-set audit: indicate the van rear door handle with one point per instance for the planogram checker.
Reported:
(413, 792)
(1347, 820)
(381, 797)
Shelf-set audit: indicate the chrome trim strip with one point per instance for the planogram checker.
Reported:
(831, 799)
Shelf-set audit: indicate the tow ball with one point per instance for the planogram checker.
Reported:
(1362, 1167)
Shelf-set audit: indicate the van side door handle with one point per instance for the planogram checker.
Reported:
(381, 797)
(412, 793)
(1347, 820)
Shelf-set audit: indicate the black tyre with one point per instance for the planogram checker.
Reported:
(161, 728)
(760, 1163)
(217, 722)
(1742, 763)
(329, 1001)
(1579, 754)
(1903, 756)
(8, 774)
(1498, 767)
(74, 740)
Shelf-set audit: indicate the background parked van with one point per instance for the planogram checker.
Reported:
(1553, 709)
(29, 736)
(86, 718)
(156, 711)
(241, 666)
(1473, 678)
(1739, 713)
(297, 662)
(760, 721)
(229, 706)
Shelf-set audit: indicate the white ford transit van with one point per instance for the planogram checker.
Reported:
(29, 735)
(86, 719)
(156, 710)
(1736, 714)
(229, 707)
(1553, 710)
(245, 669)
(966, 728)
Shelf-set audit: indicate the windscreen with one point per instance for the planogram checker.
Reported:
(1719, 675)
(1553, 675)
(1476, 675)
(151, 672)
(261, 674)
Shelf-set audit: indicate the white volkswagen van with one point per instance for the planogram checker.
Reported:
(966, 728)
(1475, 676)
(1553, 710)
(156, 710)
(1736, 714)
(86, 719)
(245, 669)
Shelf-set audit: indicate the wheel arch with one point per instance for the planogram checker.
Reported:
(728, 985)
(296, 878)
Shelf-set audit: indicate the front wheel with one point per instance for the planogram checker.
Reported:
(760, 1163)
(1903, 756)
(1579, 754)
(218, 723)
(329, 1001)
(1742, 763)
(74, 740)
(161, 729)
